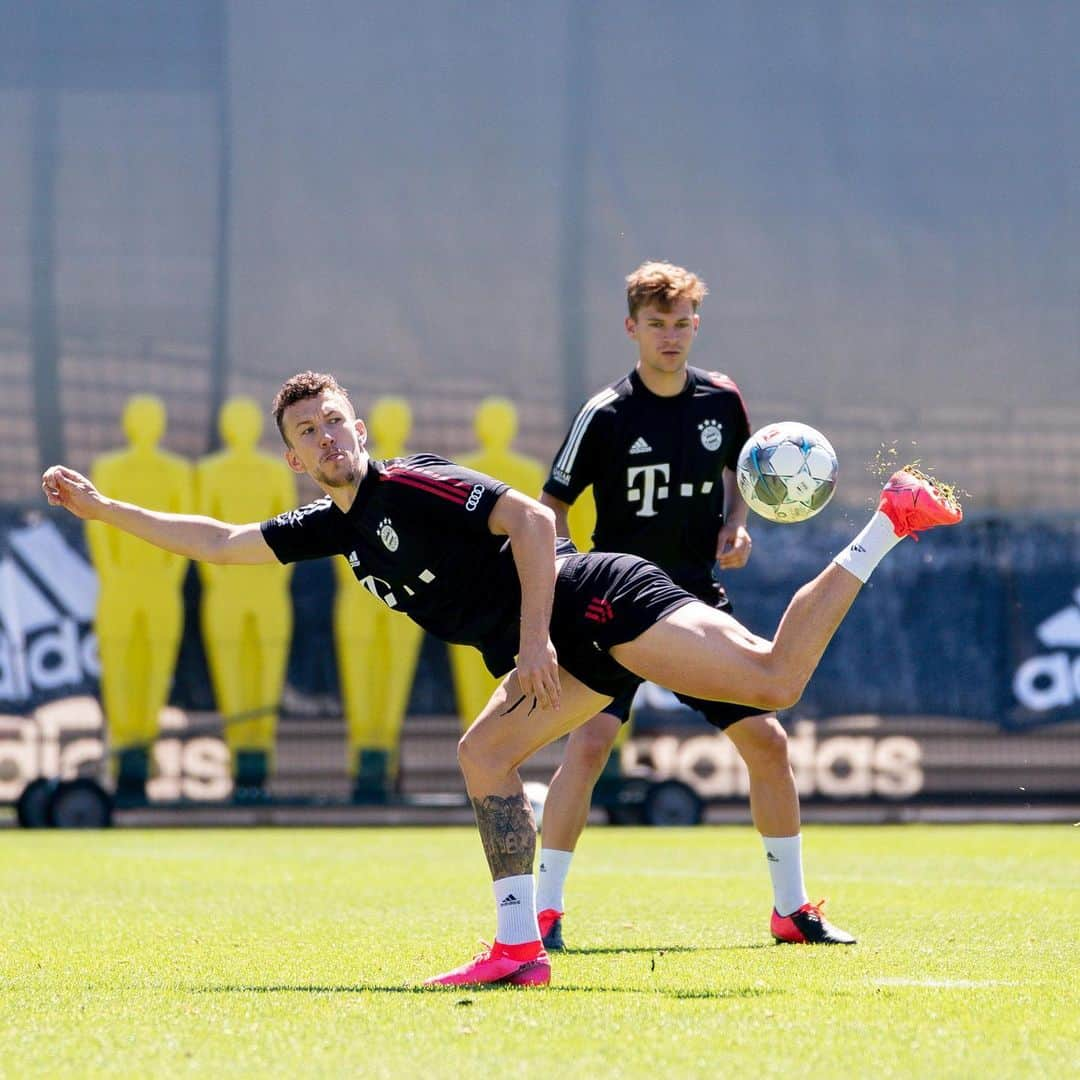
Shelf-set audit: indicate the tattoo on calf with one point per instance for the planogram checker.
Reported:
(508, 831)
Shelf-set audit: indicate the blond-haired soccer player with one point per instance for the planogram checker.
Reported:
(475, 562)
(659, 447)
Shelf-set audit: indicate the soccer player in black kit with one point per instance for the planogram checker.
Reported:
(474, 561)
(659, 448)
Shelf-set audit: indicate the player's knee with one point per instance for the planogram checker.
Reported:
(766, 748)
(470, 753)
(590, 747)
(770, 698)
(780, 691)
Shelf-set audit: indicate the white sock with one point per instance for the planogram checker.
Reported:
(869, 547)
(516, 909)
(784, 855)
(551, 880)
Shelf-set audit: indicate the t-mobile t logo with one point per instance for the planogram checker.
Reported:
(653, 486)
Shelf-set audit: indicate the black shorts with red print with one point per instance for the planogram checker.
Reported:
(602, 599)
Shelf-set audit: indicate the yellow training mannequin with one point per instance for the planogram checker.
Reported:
(495, 424)
(377, 648)
(582, 518)
(246, 610)
(140, 612)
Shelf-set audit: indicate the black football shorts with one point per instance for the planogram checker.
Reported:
(602, 599)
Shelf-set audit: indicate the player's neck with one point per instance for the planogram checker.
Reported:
(663, 383)
(344, 495)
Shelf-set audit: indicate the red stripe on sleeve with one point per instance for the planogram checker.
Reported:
(444, 489)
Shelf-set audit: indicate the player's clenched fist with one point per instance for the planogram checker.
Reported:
(70, 489)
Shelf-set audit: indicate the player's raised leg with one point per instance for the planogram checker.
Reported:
(703, 652)
(509, 731)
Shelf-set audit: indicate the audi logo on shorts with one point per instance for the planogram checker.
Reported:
(474, 497)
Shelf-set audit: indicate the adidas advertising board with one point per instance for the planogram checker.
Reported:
(863, 758)
(857, 762)
(981, 628)
(66, 738)
(51, 722)
(1048, 682)
(48, 592)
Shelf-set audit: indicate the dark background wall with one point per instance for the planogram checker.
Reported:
(442, 199)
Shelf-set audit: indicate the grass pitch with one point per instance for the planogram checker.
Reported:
(295, 953)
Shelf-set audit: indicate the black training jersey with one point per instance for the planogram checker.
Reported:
(656, 465)
(417, 537)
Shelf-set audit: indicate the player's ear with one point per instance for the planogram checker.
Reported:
(631, 326)
(361, 431)
(293, 461)
(697, 321)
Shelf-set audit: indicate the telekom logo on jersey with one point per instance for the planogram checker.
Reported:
(648, 484)
(653, 485)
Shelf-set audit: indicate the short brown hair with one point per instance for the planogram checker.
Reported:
(303, 385)
(662, 284)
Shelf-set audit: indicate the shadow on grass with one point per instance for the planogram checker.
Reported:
(374, 988)
(656, 950)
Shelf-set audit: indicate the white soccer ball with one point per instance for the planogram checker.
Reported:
(787, 472)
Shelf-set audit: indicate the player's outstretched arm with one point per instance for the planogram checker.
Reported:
(202, 538)
(531, 529)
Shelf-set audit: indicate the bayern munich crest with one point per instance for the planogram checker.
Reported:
(387, 535)
(712, 434)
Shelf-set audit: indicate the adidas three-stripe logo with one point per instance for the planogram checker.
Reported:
(564, 464)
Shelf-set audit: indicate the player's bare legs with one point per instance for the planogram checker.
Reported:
(774, 799)
(774, 808)
(509, 731)
(696, 650)
(566, 811)
(703, 652)
(567, 807)
(706, 653)
(760, 740)
(512, 728)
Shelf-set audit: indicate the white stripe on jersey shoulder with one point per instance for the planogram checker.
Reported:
(564, 464)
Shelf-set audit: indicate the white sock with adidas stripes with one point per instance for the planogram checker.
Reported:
(784, 855)
(515, 906)
(551, 878)
(869, 547)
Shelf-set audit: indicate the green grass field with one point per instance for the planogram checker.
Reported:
(296, 953)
